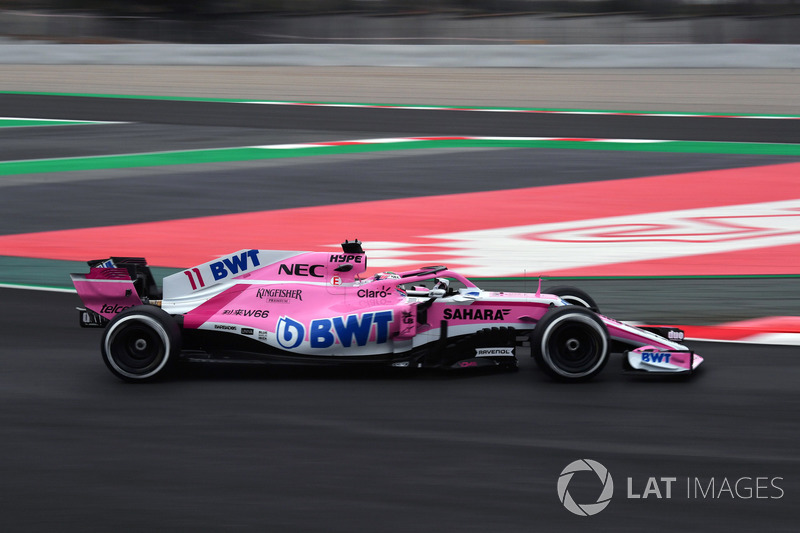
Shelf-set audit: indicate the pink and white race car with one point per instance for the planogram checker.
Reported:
(321, 308)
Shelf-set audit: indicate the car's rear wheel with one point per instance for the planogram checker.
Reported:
(575, 296)
(570, 343)
(141, 344)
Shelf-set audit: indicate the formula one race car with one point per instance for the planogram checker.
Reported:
(315, 308)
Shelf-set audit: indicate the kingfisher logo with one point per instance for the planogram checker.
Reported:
(604, 477)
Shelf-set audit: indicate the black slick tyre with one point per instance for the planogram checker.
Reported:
(575, 296)
(570, 343)
(141, 344)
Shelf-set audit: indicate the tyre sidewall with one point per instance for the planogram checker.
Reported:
(158, 326)
(575, 296)
(549, 325)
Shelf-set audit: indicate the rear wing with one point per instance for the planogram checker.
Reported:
(113, 285)
(138, 271)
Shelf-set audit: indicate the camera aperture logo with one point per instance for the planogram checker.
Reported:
(603, 475)
(668, 488)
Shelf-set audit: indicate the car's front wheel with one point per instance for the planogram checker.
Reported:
(570, 343)
(575, 296)
(140, 343)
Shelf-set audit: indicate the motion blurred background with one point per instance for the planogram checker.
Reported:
(403, 21)
(302, 451)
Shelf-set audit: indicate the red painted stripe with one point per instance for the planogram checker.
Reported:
(192, 241)
(734, 331)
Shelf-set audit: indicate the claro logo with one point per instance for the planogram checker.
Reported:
(603, 476)
(383, 292)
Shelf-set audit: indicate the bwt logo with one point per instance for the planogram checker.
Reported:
(586, 509)
(234, 264)
(290, 332)
(220, 269)
(325, 332)
(656, 357)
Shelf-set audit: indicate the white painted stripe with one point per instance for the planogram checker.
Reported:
(517, 138)
(530, 111)
(103, 280)
(388, 140)
(621, 239)
(631, 141)
(689, 115)
(36, 288)
(392, 140)
(69, 121)
(787, 339)
(285, 146)
(775, 339)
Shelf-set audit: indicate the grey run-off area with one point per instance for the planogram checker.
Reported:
(710, 90)
(409, 55)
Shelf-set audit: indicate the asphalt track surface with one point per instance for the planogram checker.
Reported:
(260, 449)
(411, 122)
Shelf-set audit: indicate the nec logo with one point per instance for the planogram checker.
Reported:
(234, 264)
(302, 270)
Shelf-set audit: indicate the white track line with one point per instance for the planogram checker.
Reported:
(528, 111)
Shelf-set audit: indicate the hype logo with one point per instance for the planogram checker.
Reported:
(290, 333)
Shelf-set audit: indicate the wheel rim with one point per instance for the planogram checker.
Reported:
(574, 346)
(137, 347)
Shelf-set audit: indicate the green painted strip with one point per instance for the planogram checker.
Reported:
(130, 161)
(223, 155)
(481, 108)
(44, 288)
(52, 274)
(26, 122)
